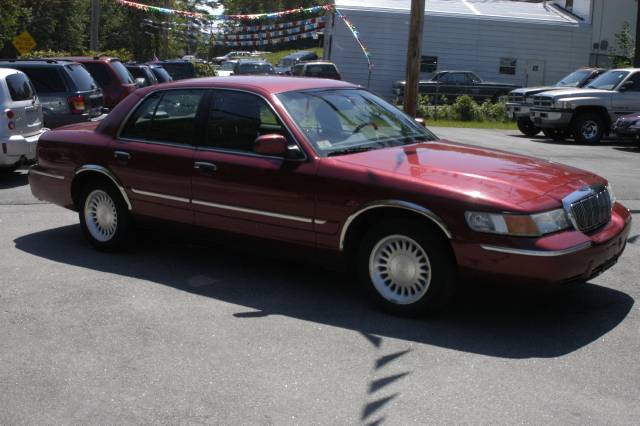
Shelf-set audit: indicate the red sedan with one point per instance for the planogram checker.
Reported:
(328, 166)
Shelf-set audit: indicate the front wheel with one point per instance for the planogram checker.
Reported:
(588, 128)
(104, 217)
(526, 126)
(407, 268)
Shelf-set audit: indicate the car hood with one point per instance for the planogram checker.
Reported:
(477, 175)
(577, 93)
(527, 91)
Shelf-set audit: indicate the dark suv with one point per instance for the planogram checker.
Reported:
(114, 79)
(160, 73)
(66, 90)
(318, 69)
(142, 71)
(178, 69)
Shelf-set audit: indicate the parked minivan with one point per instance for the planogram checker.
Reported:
(66, 90)
(286, 63)
(21, 122)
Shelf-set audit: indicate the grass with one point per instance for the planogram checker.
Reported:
(508, 125)
(274, 57)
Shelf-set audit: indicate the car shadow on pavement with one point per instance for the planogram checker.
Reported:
(484, 319)
(13, 179)
(617, 143)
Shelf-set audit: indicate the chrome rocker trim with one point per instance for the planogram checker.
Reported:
(157, 195)
(107, 173)
(539, 253)
(50, 175)
(257, 212)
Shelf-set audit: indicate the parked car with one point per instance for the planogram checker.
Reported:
(319, 69)
(178, 69)
(67, 92)
(521, 100)
(227, 68)
(628, 127)
(21, 122)
(253, 67)
(285, 64)
(451, 84)
(341, 175)
(233, 55)
(111, 75)
(160, 73)
(588, 114)
(142, 74)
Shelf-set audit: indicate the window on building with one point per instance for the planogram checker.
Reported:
(428, 63)
(508, 66)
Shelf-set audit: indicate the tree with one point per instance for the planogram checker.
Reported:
(625, 47)
(13, 18)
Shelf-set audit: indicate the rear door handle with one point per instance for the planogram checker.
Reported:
(122, 157)
(205, 168)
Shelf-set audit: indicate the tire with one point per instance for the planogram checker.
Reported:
(557, 135)
(406, 267)
(588, 128)
(526, 126)
(104, 218)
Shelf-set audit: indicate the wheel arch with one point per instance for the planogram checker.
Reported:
(88, 171)
(600, 110)
(356, 224)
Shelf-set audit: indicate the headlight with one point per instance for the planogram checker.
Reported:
(562, 105)
(533, 225)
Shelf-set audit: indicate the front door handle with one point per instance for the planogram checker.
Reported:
(205, 168)
(122, 157)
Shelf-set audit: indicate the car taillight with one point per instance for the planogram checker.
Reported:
(11, 125)
(10, 114)
(77, 104)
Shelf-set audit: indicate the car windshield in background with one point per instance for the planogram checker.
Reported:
(123, 74)
(81, 77)
(609, 80)
(227, 66)
(341, 121)
(256, 69)
(286, 62)
(574, 79)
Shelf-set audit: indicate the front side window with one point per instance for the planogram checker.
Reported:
(338, 121)
(165, 117)
(19, 87)
(236, 119)
(609, 80)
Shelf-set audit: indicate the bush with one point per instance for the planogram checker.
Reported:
(123, 54)
(463, 109)
(204, 70)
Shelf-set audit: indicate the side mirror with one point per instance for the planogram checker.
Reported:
(626, 85)
(140, 82)
(271, 144)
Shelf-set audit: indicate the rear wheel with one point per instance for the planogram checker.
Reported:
(526, 126)
(104, 217)
(588, 128)
(407, 268)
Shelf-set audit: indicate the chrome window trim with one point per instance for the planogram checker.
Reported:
(158, 195)
(107, 173)
(253, 211)
(538, 253)
(398, 204)
(50, 175)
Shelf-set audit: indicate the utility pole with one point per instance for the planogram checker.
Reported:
(95, 24)
(414, 49)
(636, 56)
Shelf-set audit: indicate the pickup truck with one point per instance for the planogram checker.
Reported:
(451, 84)
(521, 100)
(588, 113)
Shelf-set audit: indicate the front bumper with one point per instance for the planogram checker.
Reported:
(518, 111)
(559, 258)
(551, 118)
(18, 147)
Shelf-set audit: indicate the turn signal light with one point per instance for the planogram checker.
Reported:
(77, 104)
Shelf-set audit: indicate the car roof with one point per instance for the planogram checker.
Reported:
(253, 61)
(299, 54)
(88, 59)
(259, 84)
(36, 62)
(315, 63)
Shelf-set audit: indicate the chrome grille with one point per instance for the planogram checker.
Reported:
(517, 99)
(542, 101)
(589, 208)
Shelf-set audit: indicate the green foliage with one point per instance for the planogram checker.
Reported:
(123, 54)
(624, 51)
(204, 70)
(13, 16)
(464, 109)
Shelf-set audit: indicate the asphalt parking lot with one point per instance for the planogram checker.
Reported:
(172, 332)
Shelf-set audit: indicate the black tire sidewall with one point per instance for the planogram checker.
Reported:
(440, 257)
(124, 228)
(526, 126)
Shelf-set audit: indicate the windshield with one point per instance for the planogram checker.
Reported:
(124, 75)
(81, 77)
(340, 121)
(609, 80)
(286, 62)
(255, 68)
(161, 74)
(574, 79)
(227, 66)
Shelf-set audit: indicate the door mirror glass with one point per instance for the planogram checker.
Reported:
(271, 144)
(627, 85)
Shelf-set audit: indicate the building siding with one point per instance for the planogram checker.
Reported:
(459, 43)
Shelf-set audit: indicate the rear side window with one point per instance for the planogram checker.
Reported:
(46, 79)
(161, 74)
(123, 75)
(81, 77)
(99, 72)
(166, 117)
(19, 87)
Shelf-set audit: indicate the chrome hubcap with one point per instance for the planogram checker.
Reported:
(399, 269)
(100, 215)
(589, 129)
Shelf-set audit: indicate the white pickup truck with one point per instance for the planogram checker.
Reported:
(588, 114)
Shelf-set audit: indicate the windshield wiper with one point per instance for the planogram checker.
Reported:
(351, 150)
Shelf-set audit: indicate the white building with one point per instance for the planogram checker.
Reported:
(523, 43)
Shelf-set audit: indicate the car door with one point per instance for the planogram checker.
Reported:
(627, 99)
(153, 155)
(238, 190)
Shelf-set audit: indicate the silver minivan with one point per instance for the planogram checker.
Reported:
(21, 122)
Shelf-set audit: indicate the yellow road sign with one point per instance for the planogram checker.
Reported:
(24, 43)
